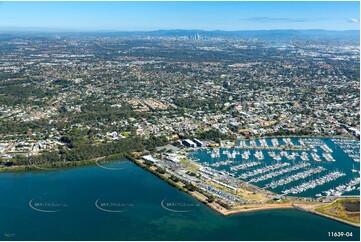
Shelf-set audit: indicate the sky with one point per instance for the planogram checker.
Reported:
(144, 16)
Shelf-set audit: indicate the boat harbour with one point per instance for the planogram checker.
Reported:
(306, 167)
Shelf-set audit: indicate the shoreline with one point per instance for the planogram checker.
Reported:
(335, 218)
(240, 208)
(200, 196)
(53, 166)
(58, 165)
(312, 210)
(256, 208)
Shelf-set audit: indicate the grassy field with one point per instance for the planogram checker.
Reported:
(189, 165)
(344, 208)
(251, 196)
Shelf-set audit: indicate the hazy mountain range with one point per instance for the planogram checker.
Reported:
(314, 34)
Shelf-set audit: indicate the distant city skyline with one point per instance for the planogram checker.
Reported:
(147, 16)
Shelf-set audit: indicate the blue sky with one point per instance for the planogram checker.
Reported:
(181, 15)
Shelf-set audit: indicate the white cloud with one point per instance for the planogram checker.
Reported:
(354, 20)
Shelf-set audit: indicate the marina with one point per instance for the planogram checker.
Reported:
(245, 165)
(295, 177)
(280, 172)
(263, 170)
(222, 163)
(314, 183)
(309, 167)
(349, 147)
(343, 188)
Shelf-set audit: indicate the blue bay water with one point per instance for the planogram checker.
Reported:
(79, 219)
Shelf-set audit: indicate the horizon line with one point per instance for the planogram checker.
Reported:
(64, 30)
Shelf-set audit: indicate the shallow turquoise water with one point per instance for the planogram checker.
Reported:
(78, 218)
